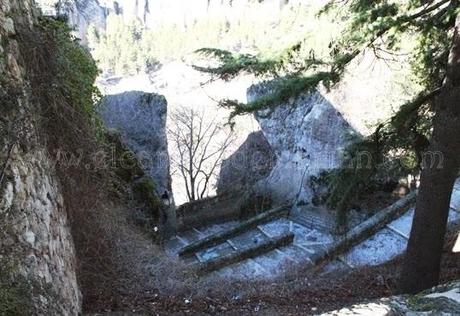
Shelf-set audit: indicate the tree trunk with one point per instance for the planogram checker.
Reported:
(441, 165)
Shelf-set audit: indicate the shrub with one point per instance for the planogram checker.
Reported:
(144, 190)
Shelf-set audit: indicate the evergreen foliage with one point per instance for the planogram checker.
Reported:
(379, 27)
(371, 25)
(144, 189)
(127, 47)
(72, 75)
(124, 48)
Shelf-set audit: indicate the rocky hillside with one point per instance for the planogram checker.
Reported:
(80, 13)
(37, 255)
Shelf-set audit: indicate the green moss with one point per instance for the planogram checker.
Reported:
(126, 167)
(4, 41)
(14, 291)
(14, 299)
(22, 296)
(144, 192)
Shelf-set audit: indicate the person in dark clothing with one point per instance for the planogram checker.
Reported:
(165, 200)
(165, 197)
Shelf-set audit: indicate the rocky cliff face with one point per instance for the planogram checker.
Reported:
(307, 135)
(37, 256)
(80, 13)
(140, 118)
(252, 162)
(182, 85)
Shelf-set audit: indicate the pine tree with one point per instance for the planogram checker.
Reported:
(422, 265)
(379, 25)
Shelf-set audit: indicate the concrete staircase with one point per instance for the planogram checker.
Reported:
(311, 221)
(311, 237)
(305, 243)
(313, 218)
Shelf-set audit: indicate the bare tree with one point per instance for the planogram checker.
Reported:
(200, 144)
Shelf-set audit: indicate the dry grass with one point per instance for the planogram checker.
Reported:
(65, 127)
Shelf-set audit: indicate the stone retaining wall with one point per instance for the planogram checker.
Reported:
(208, 211)
(37, 255)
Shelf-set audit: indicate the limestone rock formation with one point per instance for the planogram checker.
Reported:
(37, 255)
(80, 13)
(182, 85)
(140, 118)
(253, 161)
(308, 136)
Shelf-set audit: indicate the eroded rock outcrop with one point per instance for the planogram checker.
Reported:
(37, 255)
(80, 14)
(308, 135)
(298, 139)
(140, 118)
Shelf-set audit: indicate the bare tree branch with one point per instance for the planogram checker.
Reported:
(200, 145)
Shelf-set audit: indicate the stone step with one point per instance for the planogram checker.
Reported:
(244, 253)
(243, 227)
(312, 222)
(252, 237)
